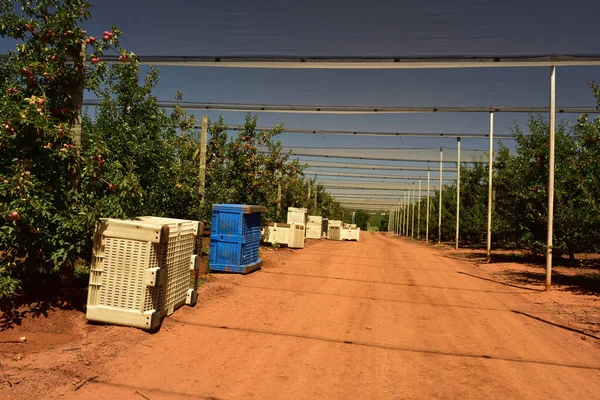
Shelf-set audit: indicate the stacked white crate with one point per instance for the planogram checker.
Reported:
(334, 230)
(297, 215)
(297, 234)
(314, 227)
(277, 233)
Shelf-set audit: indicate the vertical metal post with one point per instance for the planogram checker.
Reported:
(419, 212)
(202, 171)
(402, 225)
(397, 217)
(491, 170)
(551, 177)
(427, 214)
(457, 191)
(412, 230)
(316, 194)
(440, 203)
(400, 215)
(407, 212)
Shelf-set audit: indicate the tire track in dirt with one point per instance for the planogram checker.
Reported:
(381, 318)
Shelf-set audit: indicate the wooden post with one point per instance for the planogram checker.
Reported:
(79, 61)
(202, 169)
(76, 93)
(279, 194)
(551, 178)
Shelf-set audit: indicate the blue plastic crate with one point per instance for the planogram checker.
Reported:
(235, 238)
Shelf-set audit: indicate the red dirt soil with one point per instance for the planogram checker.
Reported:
(382, 318)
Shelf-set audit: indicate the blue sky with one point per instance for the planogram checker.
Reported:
(373, 28)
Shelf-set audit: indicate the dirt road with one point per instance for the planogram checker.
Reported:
(379, 319)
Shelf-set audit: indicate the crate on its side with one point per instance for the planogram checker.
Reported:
(127, 274)
(276, 232)
(181, 278)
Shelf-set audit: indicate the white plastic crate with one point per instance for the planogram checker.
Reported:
(140, 271)
(276, 232)
(355, 234)
(296, 240)
(297, 215)
(350, 233)
(314, 227)
(334, 233)
(181, 278)
(345, 233)
(334, 230)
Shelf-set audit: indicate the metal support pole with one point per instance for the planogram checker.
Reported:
(407, 213)
(419, 212)
(427, 216)
(404, 214)
(412, 230)
(551, 177)
(491, 170)
(401, 217)
(397, 224)
(457, 192)
(440, 203)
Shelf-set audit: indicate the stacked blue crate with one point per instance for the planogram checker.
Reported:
(235, 238)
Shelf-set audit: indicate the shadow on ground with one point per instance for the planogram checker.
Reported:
(580, 284)
(525, 258)
(14, 310)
